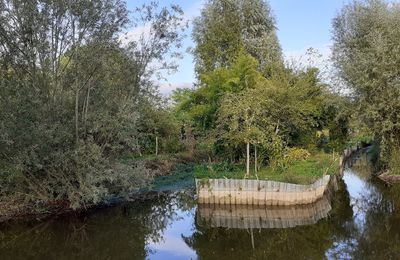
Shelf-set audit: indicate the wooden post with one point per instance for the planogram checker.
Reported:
(252, 238)
(255, 158)
(248, 160)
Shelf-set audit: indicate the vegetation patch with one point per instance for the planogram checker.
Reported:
(180, 177)
(304, 171)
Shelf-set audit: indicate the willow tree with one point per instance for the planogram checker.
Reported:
(225, 27)
(366, 52)
(71, 94)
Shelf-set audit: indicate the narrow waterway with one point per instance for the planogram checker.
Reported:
(362, 221)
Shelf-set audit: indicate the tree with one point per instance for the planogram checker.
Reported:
(238, 105)
(202, 104)
(366, 54)
(225, 27)
(241, 119)
(71, 95)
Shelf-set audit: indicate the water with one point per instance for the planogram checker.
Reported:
(361, 222)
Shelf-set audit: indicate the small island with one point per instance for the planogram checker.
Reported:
(171, 129)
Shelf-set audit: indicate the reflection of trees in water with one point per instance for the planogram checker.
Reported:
(302, 242)
(380, 237)
(121, 232)
(125, 231)
(361, 163)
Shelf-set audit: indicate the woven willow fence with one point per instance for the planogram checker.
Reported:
(258, 192)
(251, 216)
(262, 192)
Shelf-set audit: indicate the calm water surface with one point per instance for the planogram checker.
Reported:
(362, 221)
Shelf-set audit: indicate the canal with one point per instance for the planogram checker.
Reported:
(361, 221)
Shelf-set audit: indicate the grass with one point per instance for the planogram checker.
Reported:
(298, 172)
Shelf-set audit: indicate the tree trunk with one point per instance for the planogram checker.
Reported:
(77, 117)
(156, 145)
(138, 147)
(86, 111)
(255, 158)
(248, 160)
(277, 127)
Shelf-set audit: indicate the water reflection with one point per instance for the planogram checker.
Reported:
(132, 231)
(252, 216)
(361, 222)
(375, 219)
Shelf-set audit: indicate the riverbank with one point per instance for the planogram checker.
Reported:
(170, 173)
(362, 223)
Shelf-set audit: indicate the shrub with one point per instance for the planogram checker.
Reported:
(289, 157)
(297, 154)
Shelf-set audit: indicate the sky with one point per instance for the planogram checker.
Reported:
(301, 24)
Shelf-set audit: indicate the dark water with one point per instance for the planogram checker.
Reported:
(361, 222)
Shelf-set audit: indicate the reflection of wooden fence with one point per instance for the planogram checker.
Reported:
(251, 216)
(259, 192)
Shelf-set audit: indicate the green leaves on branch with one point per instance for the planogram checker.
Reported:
(75, 95)
(225, 27)
(366, 52)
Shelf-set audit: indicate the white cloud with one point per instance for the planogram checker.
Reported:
(135, 34)
(313, 56)
(319, 59)
(175, 246)
(167, 88)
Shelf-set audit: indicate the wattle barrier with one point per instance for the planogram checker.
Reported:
(264, 192)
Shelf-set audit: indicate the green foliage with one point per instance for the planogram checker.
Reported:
(298, 171)
(225, 27)
(288, 158)
(74, 99)
(236, 105)
(366, 52)
(180, 177)
(394, 162)
(361, 140)
(219, 170)
(297, 154)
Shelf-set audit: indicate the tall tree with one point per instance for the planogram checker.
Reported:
(71, 94)
(366, 52)
(225, 27)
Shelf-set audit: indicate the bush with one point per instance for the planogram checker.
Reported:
(289, 157)
(362, 140)
(79, 177)
(297, 154)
